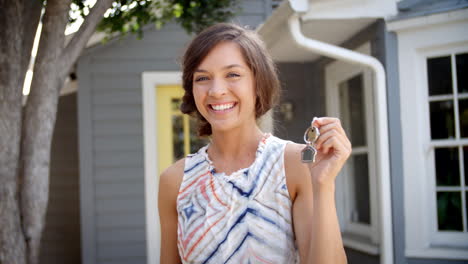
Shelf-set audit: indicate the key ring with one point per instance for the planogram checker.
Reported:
(306, 134)
(309, 152)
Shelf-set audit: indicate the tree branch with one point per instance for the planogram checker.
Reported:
(78, 42)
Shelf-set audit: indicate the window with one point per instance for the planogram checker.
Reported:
(350, 97)
(433, 92)
(447, 89)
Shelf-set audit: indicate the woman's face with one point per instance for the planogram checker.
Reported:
(223, 88)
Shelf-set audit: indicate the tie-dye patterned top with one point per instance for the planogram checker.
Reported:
(245, 217)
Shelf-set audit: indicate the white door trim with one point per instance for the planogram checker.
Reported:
(150, 81)
(335, 73)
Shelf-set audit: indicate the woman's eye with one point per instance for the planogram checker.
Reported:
(233, 75)
(201, 78)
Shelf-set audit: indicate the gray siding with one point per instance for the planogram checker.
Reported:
(416, 8)
(390, 61)
(111, 136)
(61, 238)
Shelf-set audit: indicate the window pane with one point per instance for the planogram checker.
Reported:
(442, 120)
(447, 167)
(465, 164)
(463, 110)
(462, 72)
(360, 189)
(449, 214)
(178, 136)
(352, 105)
(196, 142)
(175, 103)
(439, 75)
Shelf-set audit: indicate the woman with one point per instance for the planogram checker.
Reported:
(247, 197)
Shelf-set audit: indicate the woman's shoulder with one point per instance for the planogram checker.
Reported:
(296, 171)
(292, 157)
(171, 178)
(292, 150)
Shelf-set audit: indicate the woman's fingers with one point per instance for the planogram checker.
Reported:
(332, 135)
(337, 145)
(333, 125)
(321, 121)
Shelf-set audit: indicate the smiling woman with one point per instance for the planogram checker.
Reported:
(246, 197)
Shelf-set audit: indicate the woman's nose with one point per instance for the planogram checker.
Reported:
(218, 88)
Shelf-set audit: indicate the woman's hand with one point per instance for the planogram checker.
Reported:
(333, 149)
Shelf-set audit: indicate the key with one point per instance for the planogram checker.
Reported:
(309, 152)
(312, 134)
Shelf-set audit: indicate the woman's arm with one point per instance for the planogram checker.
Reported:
(169, 184)
(313, 192)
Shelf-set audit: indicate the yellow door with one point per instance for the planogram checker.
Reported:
(177, 132)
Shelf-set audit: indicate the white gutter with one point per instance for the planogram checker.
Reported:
(339, 53)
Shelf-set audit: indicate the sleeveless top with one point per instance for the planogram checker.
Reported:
(245, 217)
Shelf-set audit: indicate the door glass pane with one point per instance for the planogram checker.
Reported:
(463, 110)
(447, 167)
(462, 72)
(196, 142)
(352, 107)
(175, 103)
(442, 120)
(439, 75)
(178, 136)
(360, 206)
(465, 163)
(449, 214)
(466, 206)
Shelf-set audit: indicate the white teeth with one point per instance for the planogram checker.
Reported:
(222, 106)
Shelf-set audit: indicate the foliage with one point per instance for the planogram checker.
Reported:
(129, 16)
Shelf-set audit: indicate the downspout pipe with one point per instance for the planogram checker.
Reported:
(339, 53)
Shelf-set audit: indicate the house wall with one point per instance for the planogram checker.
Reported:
(111, 136)
(61, 237)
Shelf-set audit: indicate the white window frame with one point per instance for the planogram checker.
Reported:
(440, 238)
(419, 39)
(360, 237)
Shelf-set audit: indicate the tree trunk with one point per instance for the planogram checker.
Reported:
(12, 246)
(25, 138)
(38, 125)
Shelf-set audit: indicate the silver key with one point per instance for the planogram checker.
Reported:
(309, 152)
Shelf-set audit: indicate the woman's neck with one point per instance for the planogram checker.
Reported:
(234, 149)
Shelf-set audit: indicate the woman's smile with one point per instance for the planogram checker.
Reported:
(222, 107)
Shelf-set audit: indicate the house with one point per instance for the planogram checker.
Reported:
(402, 196)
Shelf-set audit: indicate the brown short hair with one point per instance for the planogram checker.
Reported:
(267, 86)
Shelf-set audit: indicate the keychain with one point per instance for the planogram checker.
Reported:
(310, 136)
